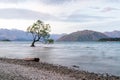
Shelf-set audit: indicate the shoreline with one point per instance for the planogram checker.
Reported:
(58, 69)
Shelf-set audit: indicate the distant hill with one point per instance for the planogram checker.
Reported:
(19, 35)
(113, 34)
(14, 34)
(86, 35)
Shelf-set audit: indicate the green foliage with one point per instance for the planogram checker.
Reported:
(40, 31)
(50, 41)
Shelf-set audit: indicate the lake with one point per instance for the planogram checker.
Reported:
(99, 57)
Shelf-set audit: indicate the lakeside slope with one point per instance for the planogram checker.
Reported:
(16, 69)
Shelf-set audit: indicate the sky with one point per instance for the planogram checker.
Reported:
(64, 16)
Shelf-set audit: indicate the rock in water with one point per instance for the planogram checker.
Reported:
(75, 66)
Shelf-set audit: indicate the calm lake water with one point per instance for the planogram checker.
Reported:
(100, 57)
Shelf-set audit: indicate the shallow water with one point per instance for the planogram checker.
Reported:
(100, 57)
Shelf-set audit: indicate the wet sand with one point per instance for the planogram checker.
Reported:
(17, 69)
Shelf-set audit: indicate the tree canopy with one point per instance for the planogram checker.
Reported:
(40, 32)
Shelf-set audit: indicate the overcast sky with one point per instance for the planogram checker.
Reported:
(64, 16)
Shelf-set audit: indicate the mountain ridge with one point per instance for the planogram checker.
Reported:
(85, 35)
(113, 34)
(19, 35)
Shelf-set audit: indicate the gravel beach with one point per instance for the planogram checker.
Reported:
(16, 69)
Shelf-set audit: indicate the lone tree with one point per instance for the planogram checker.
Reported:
(40, 32)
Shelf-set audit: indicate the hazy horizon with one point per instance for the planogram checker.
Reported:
(64, 16)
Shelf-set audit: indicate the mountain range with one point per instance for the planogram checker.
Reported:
(14, 34)
(113, 34)
(19, 35)
(85, 35)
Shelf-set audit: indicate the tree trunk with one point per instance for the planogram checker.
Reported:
(33, 43)
(34, 40)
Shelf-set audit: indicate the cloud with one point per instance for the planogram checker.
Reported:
(55, 2)
(108, 9)
(12, 1)
(112, 1)
(13, 13)
(84, 18)
(50, 2)
(95, 7)
(63, 14)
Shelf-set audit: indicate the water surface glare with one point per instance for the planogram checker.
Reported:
(100, 57)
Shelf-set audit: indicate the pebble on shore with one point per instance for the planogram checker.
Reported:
(72, 74)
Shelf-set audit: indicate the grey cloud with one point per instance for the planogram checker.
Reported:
(84, 18)
(13, 13)
(108, 9)
(105, 9)
(55, 2)
(112, 1)
(97, 8)
(12, 1)
(50, 2)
